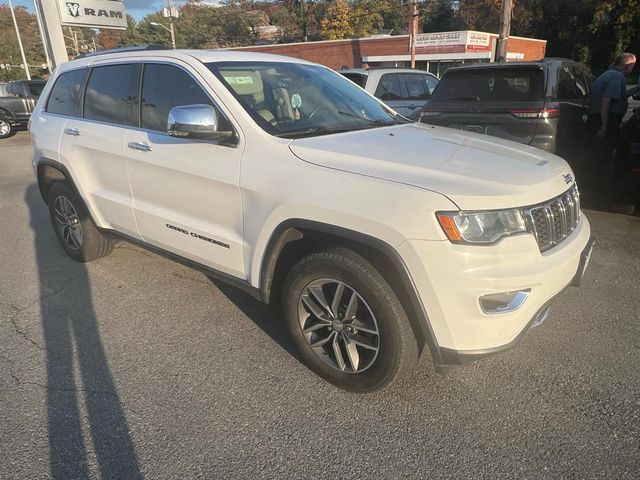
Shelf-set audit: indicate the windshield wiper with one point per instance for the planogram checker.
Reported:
(310, 132)
(368, 120)
(464, 99)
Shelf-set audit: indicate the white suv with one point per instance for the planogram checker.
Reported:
(380, 237)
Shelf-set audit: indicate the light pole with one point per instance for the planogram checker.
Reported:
(170, 30)
(24, 58)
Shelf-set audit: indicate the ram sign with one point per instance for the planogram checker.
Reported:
(93, 13)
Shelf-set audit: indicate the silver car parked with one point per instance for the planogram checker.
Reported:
(404, 90)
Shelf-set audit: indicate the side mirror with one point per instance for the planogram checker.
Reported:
(195, 121)
(636, 96)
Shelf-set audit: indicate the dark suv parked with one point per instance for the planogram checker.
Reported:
(16, 104)
(542, 104)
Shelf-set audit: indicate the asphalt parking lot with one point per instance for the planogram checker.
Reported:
(136, 367)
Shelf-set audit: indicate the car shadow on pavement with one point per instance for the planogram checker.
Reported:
(81, 394)
(264, 316)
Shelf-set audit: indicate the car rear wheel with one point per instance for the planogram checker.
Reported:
(73, 226)
(347, 322)
(6, 130)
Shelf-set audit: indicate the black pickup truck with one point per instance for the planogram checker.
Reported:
(16, 104)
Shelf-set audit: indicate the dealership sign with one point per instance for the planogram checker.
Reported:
(93, 14)
(453, 41)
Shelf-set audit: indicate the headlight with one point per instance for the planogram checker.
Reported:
(481, 227)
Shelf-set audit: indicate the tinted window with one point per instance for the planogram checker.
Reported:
(389, 87)
(571, 84)
(35, 89)
(65, 96)
(112, 95)
(431, 83)
(567, 88)
(416, 87)
(165, 87)
(357, 78)
(491, 85)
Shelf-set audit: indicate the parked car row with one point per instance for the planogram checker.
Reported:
(543, 104)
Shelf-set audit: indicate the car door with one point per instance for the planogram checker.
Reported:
(92, 145)
(417, 93)
(186, 194)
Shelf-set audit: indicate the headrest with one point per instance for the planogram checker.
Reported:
(243, 82)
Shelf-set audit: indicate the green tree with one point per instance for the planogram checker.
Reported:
(337, 23)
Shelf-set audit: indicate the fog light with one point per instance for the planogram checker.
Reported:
(505, 302)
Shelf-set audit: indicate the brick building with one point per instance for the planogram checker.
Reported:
(435, 52)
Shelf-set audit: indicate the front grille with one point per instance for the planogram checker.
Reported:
(553, 221)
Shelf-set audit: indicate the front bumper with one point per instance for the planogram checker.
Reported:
(451, 279)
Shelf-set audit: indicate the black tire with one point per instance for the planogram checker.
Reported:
(6, 129)
(397, 346)
(90, 244)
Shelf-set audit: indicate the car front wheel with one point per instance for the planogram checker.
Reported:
(347, 322)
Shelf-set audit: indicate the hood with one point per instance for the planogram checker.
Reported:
(475, 171)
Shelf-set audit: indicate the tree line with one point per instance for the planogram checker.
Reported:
(590, 31)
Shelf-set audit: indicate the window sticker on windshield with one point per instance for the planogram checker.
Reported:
(239, 80)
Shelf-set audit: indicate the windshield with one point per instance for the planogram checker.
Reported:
(491, 85)
(296, 100)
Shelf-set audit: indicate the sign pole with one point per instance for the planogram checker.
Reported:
(52, 32)
(24, 58)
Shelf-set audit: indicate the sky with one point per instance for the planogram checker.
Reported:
(136, 8)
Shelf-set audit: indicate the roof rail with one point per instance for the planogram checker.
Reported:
(134, 48)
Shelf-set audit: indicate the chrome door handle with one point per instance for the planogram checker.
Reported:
(72, 131)
(143, 147)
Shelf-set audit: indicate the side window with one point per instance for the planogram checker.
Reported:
(567, 88)
(112, 94)
(389, 87)
(64, 98)
(165, 87)
(431, 83)
(582, 82)
(357, 78)
(416, 87)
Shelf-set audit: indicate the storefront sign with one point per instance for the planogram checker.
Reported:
(93, 13)
(453, 42)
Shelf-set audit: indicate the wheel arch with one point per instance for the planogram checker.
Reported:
(49, 171)
(294, 238)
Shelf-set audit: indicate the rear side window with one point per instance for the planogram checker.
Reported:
(570, 85)
(165, 87)
(65, 96)
(416, 87)
(357, 78)
(389, 87)
(491, 85)
(431, 83)
(112, 95)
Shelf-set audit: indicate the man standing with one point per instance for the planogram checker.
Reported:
(608, 106)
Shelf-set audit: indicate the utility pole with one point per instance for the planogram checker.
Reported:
(24, 58)
(505, 30)
(414, 31)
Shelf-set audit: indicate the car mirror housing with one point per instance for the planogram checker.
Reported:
(196, 122)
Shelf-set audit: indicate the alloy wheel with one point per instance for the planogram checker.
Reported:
(68, 223)
(5, 128)
(338, 325)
